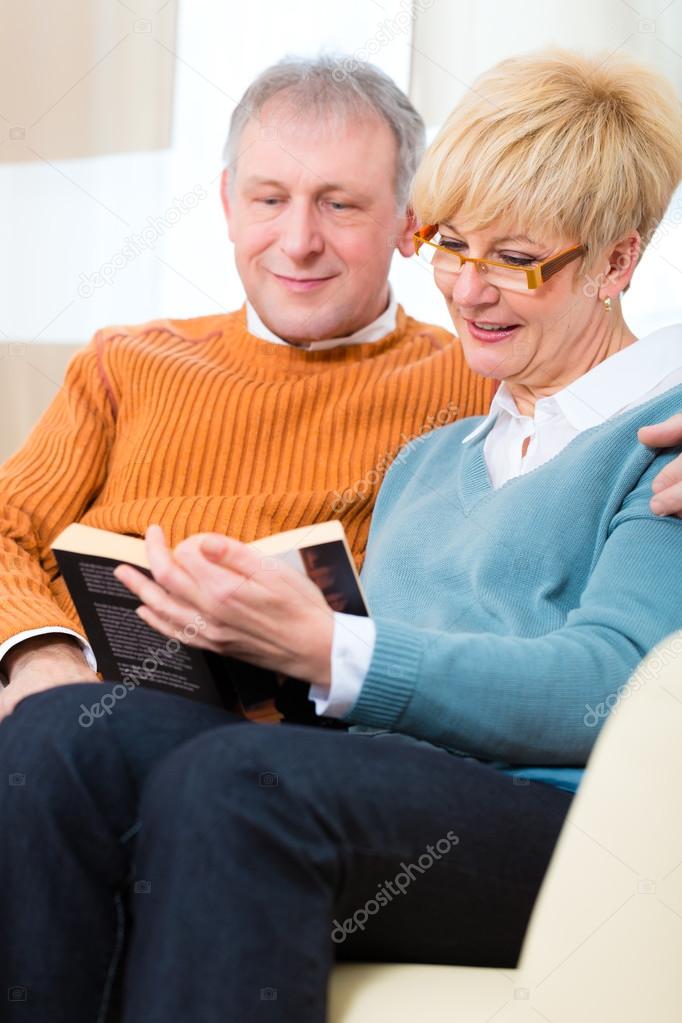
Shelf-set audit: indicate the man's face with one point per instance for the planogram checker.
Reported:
(312, 214)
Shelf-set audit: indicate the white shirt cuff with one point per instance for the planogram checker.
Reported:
(352, 649)
(31, 633)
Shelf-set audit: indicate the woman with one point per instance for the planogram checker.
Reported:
(516, 576)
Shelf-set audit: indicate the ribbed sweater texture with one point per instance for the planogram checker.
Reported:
(509, 619)
(200, 426)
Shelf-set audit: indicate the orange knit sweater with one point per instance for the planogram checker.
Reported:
(198, 425)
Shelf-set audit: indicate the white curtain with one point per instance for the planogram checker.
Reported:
(455, 40)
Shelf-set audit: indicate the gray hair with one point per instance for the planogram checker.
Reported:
(336, 84)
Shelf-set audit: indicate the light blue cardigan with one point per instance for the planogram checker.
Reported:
(505, 618)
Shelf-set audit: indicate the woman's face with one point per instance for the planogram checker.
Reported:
(545, 337)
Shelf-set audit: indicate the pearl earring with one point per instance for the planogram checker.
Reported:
(607, 304)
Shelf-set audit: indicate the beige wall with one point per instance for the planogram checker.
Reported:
(83, 78)
(30, 376)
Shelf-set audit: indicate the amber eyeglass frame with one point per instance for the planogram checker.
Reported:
(536, 275)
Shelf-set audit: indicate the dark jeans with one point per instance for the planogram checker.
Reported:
(160, 864)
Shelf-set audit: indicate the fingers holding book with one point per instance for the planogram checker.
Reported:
(258, 609)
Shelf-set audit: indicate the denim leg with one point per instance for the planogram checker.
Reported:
(268, 852)
(69, 806)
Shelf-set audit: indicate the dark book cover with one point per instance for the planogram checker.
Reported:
(130, 651)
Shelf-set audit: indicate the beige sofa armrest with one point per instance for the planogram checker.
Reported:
(604, 943)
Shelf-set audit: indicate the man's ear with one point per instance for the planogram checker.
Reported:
(407, 225)
(226, 200)
(622, 260)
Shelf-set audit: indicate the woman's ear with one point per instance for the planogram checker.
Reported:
(622, 259)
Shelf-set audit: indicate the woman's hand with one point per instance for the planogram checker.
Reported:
(667, 486)
(257, 609)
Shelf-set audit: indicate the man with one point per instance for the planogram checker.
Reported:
(269, 418)
(272, 417)
(214, 425)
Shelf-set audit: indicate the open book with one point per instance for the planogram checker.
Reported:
(130, 652)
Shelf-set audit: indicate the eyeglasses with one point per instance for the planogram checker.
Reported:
(444, 259)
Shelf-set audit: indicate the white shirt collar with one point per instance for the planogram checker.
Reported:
(374, 331)
(604, 390)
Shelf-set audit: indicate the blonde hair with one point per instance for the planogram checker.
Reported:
(581, 148)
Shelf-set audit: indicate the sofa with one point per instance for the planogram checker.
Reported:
(604, 942)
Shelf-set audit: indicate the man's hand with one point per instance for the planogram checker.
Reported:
(667, 486)
(42, 663)
(219, 594)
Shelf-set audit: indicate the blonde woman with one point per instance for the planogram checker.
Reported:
(516, 576)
